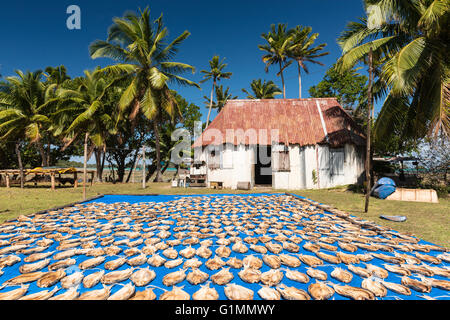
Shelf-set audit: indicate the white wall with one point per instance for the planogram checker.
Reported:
(237, 164)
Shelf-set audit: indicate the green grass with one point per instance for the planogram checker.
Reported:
(428, 221)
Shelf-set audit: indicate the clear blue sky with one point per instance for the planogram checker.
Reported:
(35, 35)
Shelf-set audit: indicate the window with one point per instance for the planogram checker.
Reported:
(337, 158)
(281, 159)
(214, 160)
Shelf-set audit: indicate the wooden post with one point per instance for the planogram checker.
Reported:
(7, 180)
(369, 125)
(75, 180)
(143, 167)
(52, 178)
(85, 165)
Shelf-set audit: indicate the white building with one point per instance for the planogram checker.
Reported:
(285, 143)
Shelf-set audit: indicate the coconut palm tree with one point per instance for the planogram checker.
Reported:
(25, 101)
(411, 40)
(302, 51)
(144, 57)
(216, 74)
(222, 96)
(262, 90)
(278, 42)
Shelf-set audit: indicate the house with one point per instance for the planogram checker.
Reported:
(283, 143)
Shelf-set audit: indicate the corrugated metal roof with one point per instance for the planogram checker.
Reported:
(297, 121)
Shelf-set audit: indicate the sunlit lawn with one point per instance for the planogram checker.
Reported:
(428, 221)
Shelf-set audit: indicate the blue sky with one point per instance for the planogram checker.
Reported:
(35, 36)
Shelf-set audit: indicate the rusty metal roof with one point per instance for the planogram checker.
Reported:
(295, 121)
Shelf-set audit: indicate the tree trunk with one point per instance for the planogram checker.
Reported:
(98, 164)
(103, 163)
(44, 162)
(210, 104)
(132, 165)
(158, 177)
(85, 165)
(282, 81)
(299, 81)
(48, 153)
(19, 160)
(369, 125)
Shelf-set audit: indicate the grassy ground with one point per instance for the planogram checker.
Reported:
(427, 221)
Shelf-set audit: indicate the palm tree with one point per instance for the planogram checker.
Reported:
(411, 42)
(302, 51)
(263, 90)
(222, 96)
(25, 101)
(88, 114)
(145, 58)
(278, 41)
(215, 73)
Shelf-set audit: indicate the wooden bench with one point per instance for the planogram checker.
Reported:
(216, 184)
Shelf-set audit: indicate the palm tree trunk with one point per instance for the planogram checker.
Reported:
(158, 177)
(299, 81)
(19, 160)
(132, 165)
(85, 165)
(282, 81)
(210, 103)
(369, 125)
(44, 162)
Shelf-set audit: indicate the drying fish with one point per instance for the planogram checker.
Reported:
(215, 263)
(70, 294)
(268, 293)
(173, 263)
(203, 252)
(353, 292)
(428, 258)
(72, 280)
(50, 278)
(416, 284)
(137, 261)
(397, 269)
(24, 278)
(116, 276)
(112, 250)
(310, 260)
(235, 263)
(191, 263)
(250, 275)
(342, 275)
(253, 262)
(114, 264)
(364, 257)
(170, 253)
(397, 288)
(42, 295)
(222, 277)
(289, 261)
(237, 292)
(174, 278)
(292, 293)
(359, 271)
(377, 271)
(271, 277)
(175, 294)
(37, 256)
(14, 294)
(291, 247)
(32, 267)
(440, 284)
(311, 247)
(100, 294)
(296, 276)
(142, 277)
(239, 247)
(206, 293)
(126, 292)
(272, 261)
(347, 258)
(375, 287)
(347, 246)
(444, 256)
(197, 276)
(320, 291)
(188, 252)
(146, 294)
(275, 248)
(391, 259)
(156, 260)
(9, 261)
(97, 252)
(223, 251)
(91, 263)
(93, 279)
(328, 257)
(13, 248)
(259, 249)
(424, 270)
